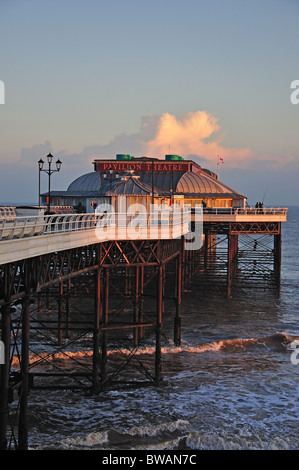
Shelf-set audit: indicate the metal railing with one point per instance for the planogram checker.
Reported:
(21, 227)
(243, 211)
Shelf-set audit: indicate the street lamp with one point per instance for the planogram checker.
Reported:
(40, 167)
(49, 172)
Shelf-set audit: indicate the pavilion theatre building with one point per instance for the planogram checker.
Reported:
(126, 180)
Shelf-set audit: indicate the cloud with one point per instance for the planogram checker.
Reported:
(195, 134)
(30, 156)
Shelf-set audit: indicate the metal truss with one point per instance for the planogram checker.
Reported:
(80, 322)
(241, 228)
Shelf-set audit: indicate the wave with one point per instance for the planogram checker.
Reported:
(114, 439)
(231, 441)
(158, 428)
(176, 435)
(281, 340)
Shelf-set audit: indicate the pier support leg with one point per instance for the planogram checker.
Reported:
(163, 288)
(277, 261)
(4, 375)
(158, 357)
(68, 309)
(60, 312)
(39, 302)
(206, 249)
(140, 317)
(231, 261)
(96, 335)
(177, 319)
(104, 322)
(24, 391)
(136, 307)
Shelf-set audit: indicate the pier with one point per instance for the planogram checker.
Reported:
(59, 281)
(89, 277)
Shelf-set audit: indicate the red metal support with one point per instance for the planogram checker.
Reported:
(24, 390)
(96, 334)
(4, 375)
(136, 306)
(177, 319)
(104, 323)
(140, 316)
(231, 261)
(60, 313)
(68, 309)
(277, 260)
(158, 362)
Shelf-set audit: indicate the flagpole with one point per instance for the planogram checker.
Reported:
(218, 163)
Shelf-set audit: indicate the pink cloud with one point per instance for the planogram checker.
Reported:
(194, 133)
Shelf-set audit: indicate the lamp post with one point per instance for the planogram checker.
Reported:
(49, 172)
(40, 167)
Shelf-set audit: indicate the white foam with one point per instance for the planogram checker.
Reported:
(154, 430)
(166, 445)
(198, 441)
(91, 440)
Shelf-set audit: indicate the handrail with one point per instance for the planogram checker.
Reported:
(21, 227)
(243, 211)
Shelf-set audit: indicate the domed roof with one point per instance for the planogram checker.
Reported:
(90, 182)
(131, 187)
(203, 184)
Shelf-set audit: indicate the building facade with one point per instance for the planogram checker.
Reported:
(126, 180)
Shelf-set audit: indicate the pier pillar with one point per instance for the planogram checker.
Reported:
(24, 390)
(39, 302)
(68, 309)
(158, 368)
(206, 249)
(104, 322)
(60, 312)
(4, 375)
(231, 261)
(136, 306)
(277, 260)
(177, 319)
(96, 335)
(163, 288)
(140, 317)
(48, 298)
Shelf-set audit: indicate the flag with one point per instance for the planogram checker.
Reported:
(221, 159)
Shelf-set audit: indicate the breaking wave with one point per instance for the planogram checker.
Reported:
(281, 340)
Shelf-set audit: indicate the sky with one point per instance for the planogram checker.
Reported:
(198, 78)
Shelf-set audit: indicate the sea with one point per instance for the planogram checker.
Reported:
(232, 384)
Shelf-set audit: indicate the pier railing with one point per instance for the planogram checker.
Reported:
(105, 224)
(175, 221)
(244, 211)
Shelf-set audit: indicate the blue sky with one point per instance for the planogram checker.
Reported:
(87, 79)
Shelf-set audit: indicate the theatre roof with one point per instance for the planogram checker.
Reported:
(200, 183)
(204, 185)
(131, 186)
